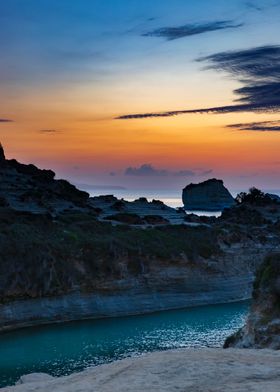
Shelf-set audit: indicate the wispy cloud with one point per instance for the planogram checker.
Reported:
(51, 131)
(261, 126)
(184, 173)
(5, 120)
(171, 33)
(206, 172)
(253, 6)
(261, 5)
(257, 69)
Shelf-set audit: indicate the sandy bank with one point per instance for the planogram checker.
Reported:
(192, 370)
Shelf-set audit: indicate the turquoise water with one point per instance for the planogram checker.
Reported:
(65, 348)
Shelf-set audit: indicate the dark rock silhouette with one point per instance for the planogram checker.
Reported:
(210, 195)
(2, 154)
(28, 188)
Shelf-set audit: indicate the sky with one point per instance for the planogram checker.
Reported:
(150, 94)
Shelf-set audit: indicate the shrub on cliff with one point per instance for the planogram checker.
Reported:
(127, 218)
(268, 276)
(254, 196)
(42, 257)
(243, 214)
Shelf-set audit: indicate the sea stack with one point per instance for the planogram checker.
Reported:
(210, 195)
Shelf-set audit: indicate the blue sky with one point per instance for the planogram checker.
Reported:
(70, 67)
(42, 39)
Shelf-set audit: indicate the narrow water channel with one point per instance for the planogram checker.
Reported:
(65, 348)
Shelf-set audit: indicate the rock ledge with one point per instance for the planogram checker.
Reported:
(194, 370)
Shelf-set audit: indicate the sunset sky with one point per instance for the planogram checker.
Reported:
(70, 68)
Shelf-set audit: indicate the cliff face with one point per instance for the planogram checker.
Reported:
(76, 267)
(210, 195)
(262, 329)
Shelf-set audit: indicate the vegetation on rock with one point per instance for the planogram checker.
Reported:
(42, 257)
(262, 329)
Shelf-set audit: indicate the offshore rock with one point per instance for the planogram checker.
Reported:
(210, 195)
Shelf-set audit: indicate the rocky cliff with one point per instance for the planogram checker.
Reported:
(262, 329)
(76, 267)
(61, 259)
(210, 195)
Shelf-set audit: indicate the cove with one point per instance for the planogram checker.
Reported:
(66, 348)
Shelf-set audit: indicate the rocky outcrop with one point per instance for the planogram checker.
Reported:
(137, 212)
(210, 195)
(262, 329)
(196, 370)
(28, 188)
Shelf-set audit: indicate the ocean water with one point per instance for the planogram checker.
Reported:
(172, 198)
(66, 348)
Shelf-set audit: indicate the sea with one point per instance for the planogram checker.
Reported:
(169, 197)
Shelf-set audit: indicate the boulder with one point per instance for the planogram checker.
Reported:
(35, 378)
(210, 195)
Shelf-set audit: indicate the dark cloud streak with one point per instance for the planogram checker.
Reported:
(258, 69)
(5, 120)
(219, 109)
(187, 30)
(261, 126)
(51, 131)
